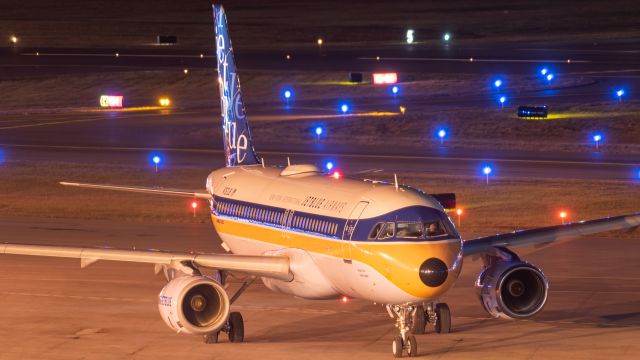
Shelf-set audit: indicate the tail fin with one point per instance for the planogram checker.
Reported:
(238, 146)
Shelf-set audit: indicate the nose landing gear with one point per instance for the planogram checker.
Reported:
(413, 319)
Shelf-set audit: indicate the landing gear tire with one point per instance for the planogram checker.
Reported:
(412, 346)
(397, 347)
(235, 327)
(443, 320)
(211, 338)
(419, 321)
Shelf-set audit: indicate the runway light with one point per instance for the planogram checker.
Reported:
(497, 83)
(165, 102)
(344, 108)
(597, 138)
(394, 90)
(156, 161)
(13, 39)
(336, 175)
(442, 133)
(328, 165)
(410, 35)
(563, 215)
(544, 71)
(459, 213)
(446, 37)
(487, 171)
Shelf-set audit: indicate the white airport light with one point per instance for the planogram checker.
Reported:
(394, 90)
(344, 108)
(319, 41)
(185, 71)
(410, 36)
(13, 39)
(544, 71)
(459, 213)
(328, 165)
(117, 54)
(201, 56)
(497, 83)
(164, 102)
(194, 206)
(446, 36)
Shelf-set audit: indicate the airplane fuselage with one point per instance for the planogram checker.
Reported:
(345, 237)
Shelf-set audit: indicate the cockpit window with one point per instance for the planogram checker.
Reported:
(433, 229)
(376, 230)
(407, 230)
(388, 231)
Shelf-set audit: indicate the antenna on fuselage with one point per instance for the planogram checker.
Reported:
(288, 161)
(395, 178)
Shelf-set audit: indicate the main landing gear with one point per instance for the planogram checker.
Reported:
(234, 327)
(412, 319)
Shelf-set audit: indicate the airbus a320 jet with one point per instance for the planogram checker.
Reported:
(311, 235)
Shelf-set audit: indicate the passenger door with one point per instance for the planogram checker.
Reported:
(349, 227)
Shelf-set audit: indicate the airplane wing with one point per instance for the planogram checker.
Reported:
(267, 266)
(146, 190)
(546, 235)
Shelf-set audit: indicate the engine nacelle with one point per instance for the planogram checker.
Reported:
(194, 305)
(512, 289)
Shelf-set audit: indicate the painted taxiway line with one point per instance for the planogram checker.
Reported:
(312, 154)
(89, 119)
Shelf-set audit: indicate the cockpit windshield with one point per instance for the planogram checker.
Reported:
(428, 225)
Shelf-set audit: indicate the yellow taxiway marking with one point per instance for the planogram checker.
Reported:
(64, 122)
(354, 156)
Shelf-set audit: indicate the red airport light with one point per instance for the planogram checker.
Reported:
(385, 78)
(345, 299)
(459, 213)
(563, 215)
(194, 206)
(336, 175)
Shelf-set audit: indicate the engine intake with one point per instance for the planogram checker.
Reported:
(194, 305)
(512, 289)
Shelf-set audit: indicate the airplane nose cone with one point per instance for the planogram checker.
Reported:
(433, 272)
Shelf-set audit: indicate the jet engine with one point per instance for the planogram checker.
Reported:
(512, 289)
(194, 305)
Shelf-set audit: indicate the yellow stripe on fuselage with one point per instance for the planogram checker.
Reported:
(398, 262)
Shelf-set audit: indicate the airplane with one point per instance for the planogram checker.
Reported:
(314, 235)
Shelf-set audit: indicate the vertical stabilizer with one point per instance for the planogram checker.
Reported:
(238, 146)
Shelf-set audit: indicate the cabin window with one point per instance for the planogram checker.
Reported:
(407, 230)
(388, 231)
(373, 234)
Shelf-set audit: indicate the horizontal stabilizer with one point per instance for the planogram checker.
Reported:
(145, 190)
